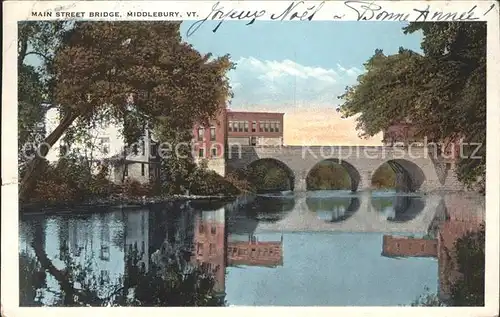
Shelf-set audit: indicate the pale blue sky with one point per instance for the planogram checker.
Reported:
(295, 64)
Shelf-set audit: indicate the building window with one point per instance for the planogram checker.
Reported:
(201, 132)
(211, 249)
(271, 126)
(125, 172)
(422, 248)
(397, 246)
(266, 126)
(253, 141)
(212, 133)
(254, 126)
(277, 127)
(143, 169)
(201, 153)
(246, 126)
(240, 126)
(213, 230)
(199, 248)
(261, 124)
(201, 229)
(230, 126)
(214, 152)
(235, 126)
(154, 150)
(143, 147)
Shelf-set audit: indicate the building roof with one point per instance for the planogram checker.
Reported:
(253, 112)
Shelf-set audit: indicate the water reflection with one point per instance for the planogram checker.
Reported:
(200, 252)
(268, 208)
(333, 209)
(398, 208)
(124, 250)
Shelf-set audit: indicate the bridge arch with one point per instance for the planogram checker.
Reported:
(352, 172)
(256, 171)
(408, 176)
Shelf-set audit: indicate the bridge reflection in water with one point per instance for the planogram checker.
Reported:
(246, 232)
(339, 211)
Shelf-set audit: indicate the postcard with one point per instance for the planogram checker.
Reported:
(303, 157)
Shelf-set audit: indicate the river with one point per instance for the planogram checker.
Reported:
(310, 249)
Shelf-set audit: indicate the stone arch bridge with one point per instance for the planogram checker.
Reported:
(416, 169)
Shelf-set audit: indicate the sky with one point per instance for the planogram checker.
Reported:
(300, 68)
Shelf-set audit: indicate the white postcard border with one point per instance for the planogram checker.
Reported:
(332, 10)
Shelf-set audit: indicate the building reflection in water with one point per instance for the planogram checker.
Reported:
(156, 235)
(214, 252)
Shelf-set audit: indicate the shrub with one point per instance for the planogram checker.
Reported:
(240, 182)
(204, 182)
(133, 188)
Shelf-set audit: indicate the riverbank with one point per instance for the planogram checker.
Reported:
(103, 204)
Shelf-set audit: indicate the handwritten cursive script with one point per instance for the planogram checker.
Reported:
(294, 11)
(218, 13)
(367, 11)
(427, 14)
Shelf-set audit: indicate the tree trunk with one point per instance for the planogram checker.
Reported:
(34, 167)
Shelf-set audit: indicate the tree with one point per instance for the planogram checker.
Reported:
(35, 82)
(468, 290)
(131, 73)
(442, 93)
(328, 175)
(268, 175)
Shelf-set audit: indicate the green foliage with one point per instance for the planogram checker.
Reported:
(384, 177)
(207, 182)
(442, 93)
(133, 188)
(268, 175)
(468, 290)
(134, 73)
(239, 180)
(327, 175)
(72, 179)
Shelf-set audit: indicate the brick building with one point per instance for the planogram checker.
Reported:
(255, 128)
(401, 132)
(209, 242)
(210, 142)
(404, 133)
(405, 246)
(255, 253)
(214, 253)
